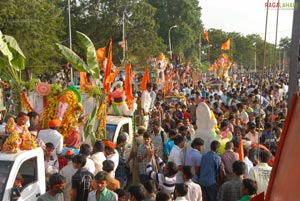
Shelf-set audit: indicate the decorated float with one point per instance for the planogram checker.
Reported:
(220, 67)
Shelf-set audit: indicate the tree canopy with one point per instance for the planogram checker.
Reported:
(39, 25)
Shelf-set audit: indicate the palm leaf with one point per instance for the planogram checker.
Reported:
(73, 58)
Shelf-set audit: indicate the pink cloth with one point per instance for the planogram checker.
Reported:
(73, 141)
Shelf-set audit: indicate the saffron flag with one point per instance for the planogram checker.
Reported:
(128, 86)
(111, 77)
(108, 67)
(205, 35)
(145, 80)
(101, 53)
(241, 149)
(82, 78)
(226, 45)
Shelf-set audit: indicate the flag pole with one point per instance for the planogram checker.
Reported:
(200, 49)
(208, 54)
(275, 56)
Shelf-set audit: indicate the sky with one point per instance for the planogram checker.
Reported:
(247, 17)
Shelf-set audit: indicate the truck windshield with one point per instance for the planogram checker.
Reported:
(110, 131)
(5, 167)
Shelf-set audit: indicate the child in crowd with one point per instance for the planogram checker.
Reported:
(248, 188)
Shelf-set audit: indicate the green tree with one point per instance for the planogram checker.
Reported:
(216, 38)
(284, 52)
(186, 15)
(37, 26)
(103, 19)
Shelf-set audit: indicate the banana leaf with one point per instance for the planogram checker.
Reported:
(5, 49)
(90, 124)
(90, 52)
(73, 58)
(18, 60)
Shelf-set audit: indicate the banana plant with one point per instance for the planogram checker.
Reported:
(12, 62)
(90, 66)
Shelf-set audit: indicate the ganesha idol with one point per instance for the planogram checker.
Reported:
(206, 124)
(118, 106)
(161, 66)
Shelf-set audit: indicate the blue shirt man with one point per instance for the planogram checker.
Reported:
(193, 157)
(210, 170)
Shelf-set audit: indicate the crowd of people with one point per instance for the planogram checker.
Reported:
(166, 161)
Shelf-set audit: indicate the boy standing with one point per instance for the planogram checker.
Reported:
(81, 180)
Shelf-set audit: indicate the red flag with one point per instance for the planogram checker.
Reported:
(205, 35)
(259, 197)
(128, 86)
(241, 149)
(108, 67)
(101, 53)
(145, 80)
(226, 45)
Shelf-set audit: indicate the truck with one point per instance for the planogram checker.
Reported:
(115, 125)
(27, 166)
(30, 167)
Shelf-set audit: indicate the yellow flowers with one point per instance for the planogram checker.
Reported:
(101, 116)
(10, 126)
(12, 143)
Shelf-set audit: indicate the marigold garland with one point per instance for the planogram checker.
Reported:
(25, 103)
(72, 113)
(50, 110)
(101, 116)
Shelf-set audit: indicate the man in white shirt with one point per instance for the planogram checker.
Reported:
(261, 172)
(177, 156)
(247, 161)
(98, 156)
(111, 154)
(53, 136)
(194, 190)
(146, 100)
(85, 149)
(68, 171)
(244, 117)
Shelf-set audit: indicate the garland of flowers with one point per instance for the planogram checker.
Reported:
(71, 116)
(101, 115)
(50, 110)
(26, 104)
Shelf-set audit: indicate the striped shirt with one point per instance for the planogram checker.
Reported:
(165, 184)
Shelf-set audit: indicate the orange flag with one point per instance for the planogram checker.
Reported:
(205, 35)
(108, 67)
(111, 77)
(145, 80)
(82, 76)
(101, 53)
(241, 149)
(226, 45)
(128, 86)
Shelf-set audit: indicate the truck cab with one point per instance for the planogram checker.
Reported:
(115, 125)
(26, 167)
